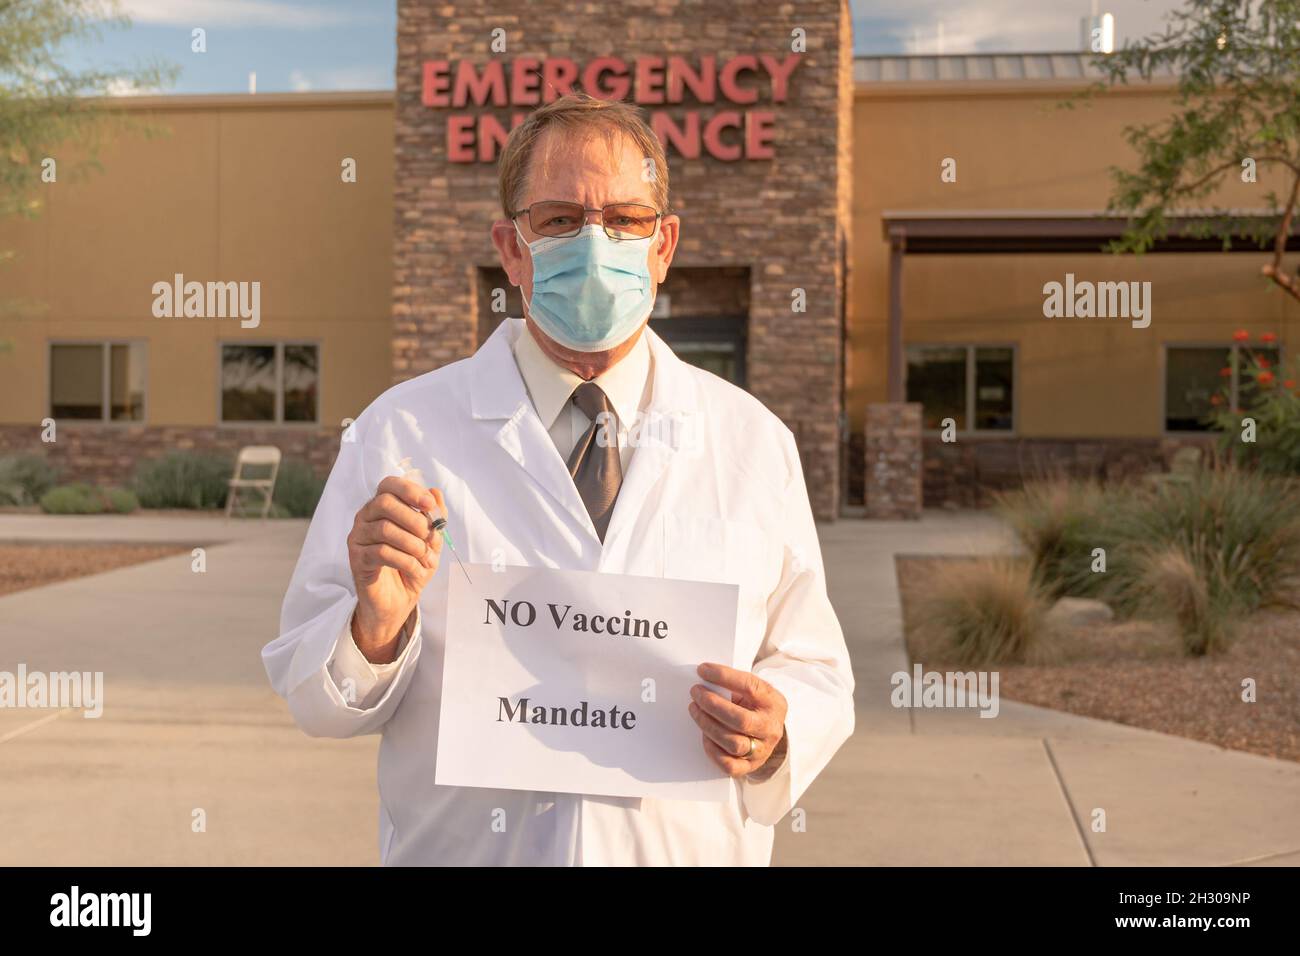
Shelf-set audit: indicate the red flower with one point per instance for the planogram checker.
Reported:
(1216, 399)
(1241, 335)
(1225, 372)
(1289, 383)
(1265, 378)
(1262, 362)
(1268, 338)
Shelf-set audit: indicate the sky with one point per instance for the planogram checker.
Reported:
(993, 26)
(299, 45)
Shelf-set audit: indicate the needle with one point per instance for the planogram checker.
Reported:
(435, 524)
(440, 525)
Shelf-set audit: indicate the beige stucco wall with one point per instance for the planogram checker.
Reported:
(1016, 150)
(248, 188)
(234, 188)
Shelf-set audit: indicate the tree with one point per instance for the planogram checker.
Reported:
(1237, 64)
(48, 111)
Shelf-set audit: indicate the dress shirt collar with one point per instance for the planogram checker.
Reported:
(550, 385)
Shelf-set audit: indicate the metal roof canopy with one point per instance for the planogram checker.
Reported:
(1001, 232)
(978, 67)
(1049, 231)
(984, 74)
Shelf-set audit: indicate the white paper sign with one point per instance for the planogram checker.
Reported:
(577, 682)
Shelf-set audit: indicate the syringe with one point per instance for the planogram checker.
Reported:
(438, 524)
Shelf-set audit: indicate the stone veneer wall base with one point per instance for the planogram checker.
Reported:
(109, 454)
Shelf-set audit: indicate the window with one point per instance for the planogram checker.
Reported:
(299, 378)
(716, 357)
(270, 383)
(974, 385)
(714, 343)
(97, 381)
(1194, 374)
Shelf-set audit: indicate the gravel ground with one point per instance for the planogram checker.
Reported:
(1134, 672)
(30, 565)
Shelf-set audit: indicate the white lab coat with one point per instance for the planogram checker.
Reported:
(719, 498)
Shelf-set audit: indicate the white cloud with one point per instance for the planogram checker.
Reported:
(123, 86)
(234, 13)
(971, 30)
(298, 81)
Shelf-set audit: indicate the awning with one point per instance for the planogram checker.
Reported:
(1003, 232)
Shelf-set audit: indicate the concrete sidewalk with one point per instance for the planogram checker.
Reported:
(190, 723)
(191, 726)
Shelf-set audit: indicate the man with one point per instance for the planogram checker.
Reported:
(572, 439)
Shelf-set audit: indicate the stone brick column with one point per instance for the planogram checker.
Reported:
(894, 460)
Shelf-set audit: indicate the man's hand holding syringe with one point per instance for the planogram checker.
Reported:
(394, 551)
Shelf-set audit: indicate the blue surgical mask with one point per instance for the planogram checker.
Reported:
(590, 292)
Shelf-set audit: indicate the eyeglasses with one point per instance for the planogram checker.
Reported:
(563, 220)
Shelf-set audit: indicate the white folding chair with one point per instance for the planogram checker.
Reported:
(258, 456)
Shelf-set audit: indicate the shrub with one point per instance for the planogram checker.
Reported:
(1202, 552)
(983, 611)
(1189, 588)
(1239, 529)
(121, 500)
(1270, 396)
(74, 499)
(1059, 522)
(80, 498)
(183, 480)
(25, 478)
(297, 490)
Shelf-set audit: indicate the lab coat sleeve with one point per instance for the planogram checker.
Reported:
(310, 663)
(804, 657)
(359, 680)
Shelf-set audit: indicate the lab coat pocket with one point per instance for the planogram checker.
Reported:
(728, 552)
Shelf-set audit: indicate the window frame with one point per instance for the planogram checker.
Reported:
(970, 431)
(106, 385)
(731, 331)
(279, 346)
(1233, 347)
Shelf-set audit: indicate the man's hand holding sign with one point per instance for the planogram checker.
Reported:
(744, 734)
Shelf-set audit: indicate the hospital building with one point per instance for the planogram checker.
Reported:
(865, 247)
